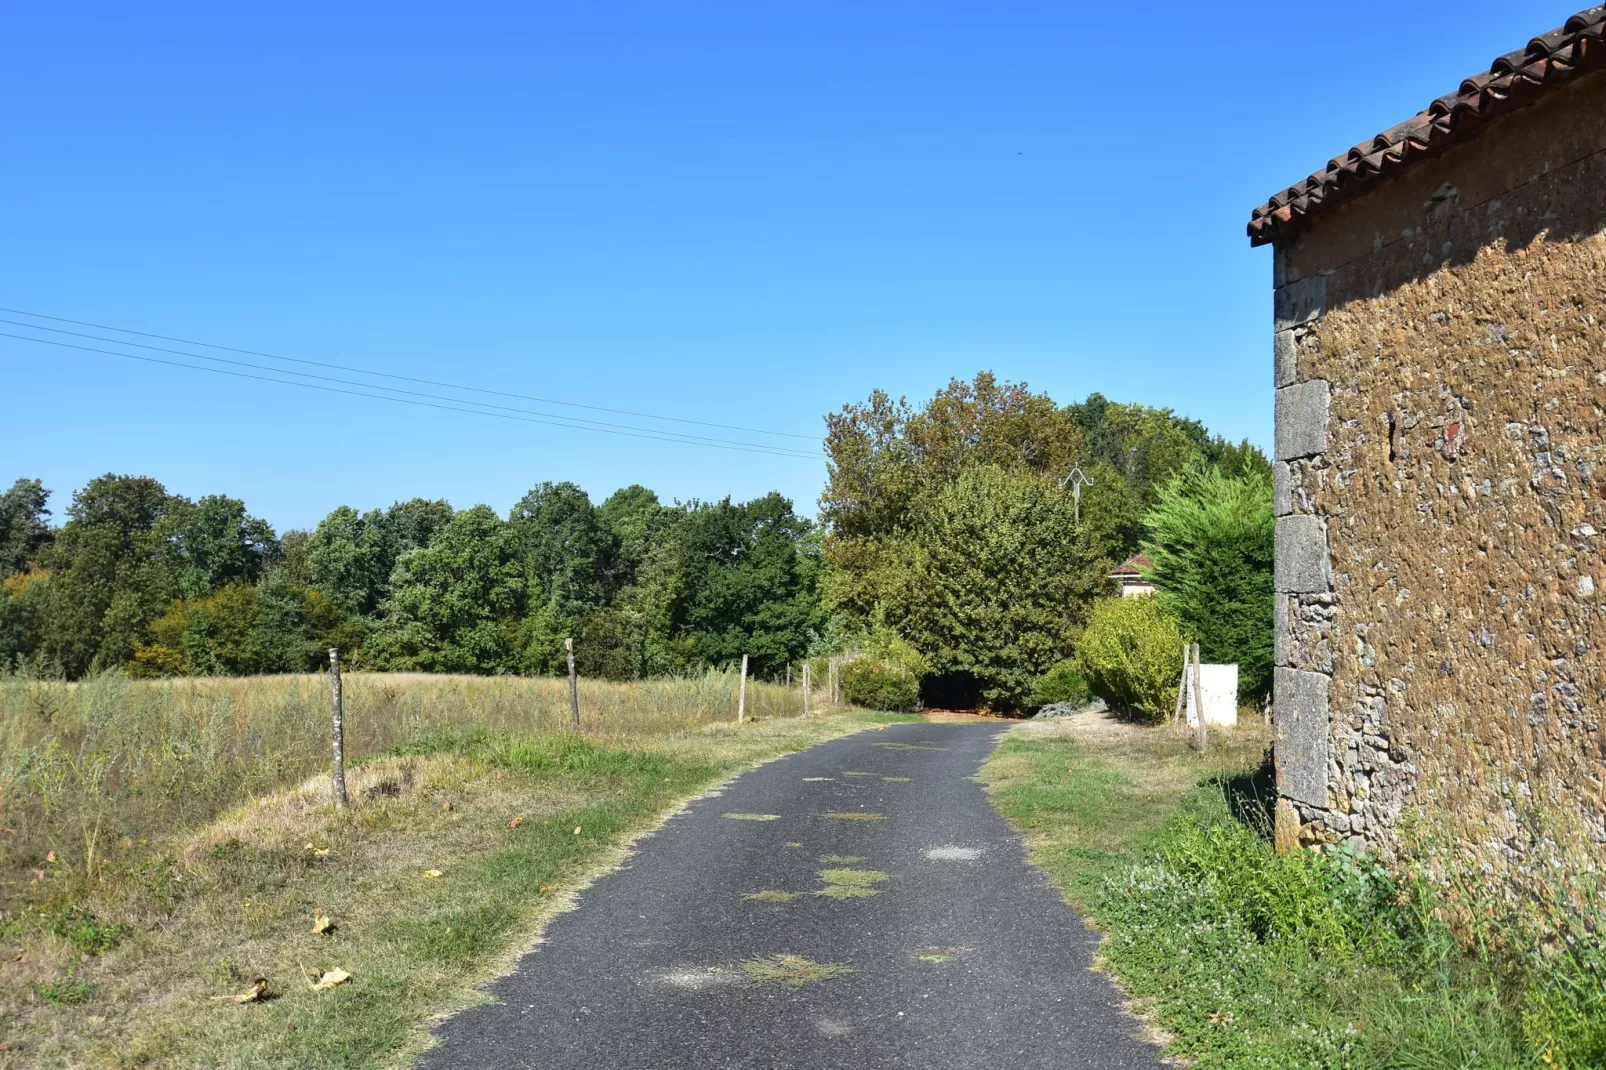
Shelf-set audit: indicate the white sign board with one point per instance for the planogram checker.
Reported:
(1218, 685)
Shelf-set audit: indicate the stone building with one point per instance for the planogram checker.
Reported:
(1440, 369)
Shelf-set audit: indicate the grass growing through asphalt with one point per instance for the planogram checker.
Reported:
(794, 971)
(1247, 959)
(121, 963)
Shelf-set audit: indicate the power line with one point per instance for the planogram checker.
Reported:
(567, 420)
(401, 378)
(773, 451)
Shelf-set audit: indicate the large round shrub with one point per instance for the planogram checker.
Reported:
(878, 685)
(1131, 655)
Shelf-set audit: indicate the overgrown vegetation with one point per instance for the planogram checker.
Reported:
(91, 771)
(169, 842)
(1247, 959)
(948, 523)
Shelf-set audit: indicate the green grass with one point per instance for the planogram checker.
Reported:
(794, 971)
(128, 956)
(1242, 958)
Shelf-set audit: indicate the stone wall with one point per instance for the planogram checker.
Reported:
(1440, 368)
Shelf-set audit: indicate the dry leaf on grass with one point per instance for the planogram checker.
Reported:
(430, 873)
(542, 890)
(321, 922)
(259, 988)
(447, 806)
(330, 979)
(321, 852)
(516, 822)
(577, 830)
(50, 856)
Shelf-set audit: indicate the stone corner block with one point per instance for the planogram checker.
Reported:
(1301, 420)
(1283, 637)
(1284, 359)
(1300, 302)
(1300, 703)
(1282, 490)
(1301, 565)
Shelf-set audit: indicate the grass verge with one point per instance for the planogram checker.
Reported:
(1242, 958)
(458, 847)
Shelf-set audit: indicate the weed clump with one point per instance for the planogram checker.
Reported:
(851, 883)
(794, 971)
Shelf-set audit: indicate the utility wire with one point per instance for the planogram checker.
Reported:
(404, 378)
(567, 420)
(653, 436)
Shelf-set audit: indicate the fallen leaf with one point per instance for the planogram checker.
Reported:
(322, 852)
(542, 889)
(516, 822)
(321, 922)
(431, 873)
(50, 856)
(577, 830)
(38, 875)
(447, 805)
(259, 988)
(22, 956)
(309, 846)
(328, 980)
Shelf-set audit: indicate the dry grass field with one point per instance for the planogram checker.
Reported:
(165, 844)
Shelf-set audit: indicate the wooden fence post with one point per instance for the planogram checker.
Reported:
(338, 703)
(741, 695)
(574, 689)
(805, 689)
(1182, 688)
(1201, 734)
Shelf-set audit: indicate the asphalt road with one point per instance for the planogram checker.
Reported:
(966, 957)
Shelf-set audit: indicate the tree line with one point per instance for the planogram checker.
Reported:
(951, 553)
(153, 583)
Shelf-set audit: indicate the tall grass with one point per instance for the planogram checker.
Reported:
(89, 770)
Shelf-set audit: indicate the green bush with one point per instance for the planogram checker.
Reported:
(876, 685)
(1061, 683)
(1131, 655)
(886, 676)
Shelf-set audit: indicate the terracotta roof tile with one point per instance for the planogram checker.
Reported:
(1511, 81)
(1133, 566)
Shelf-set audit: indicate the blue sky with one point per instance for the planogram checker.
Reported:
(739, 213)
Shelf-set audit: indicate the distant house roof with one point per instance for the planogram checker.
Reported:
(1513, 80)
(1133, 566)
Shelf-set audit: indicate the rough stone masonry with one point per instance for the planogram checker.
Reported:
(1440, 375)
